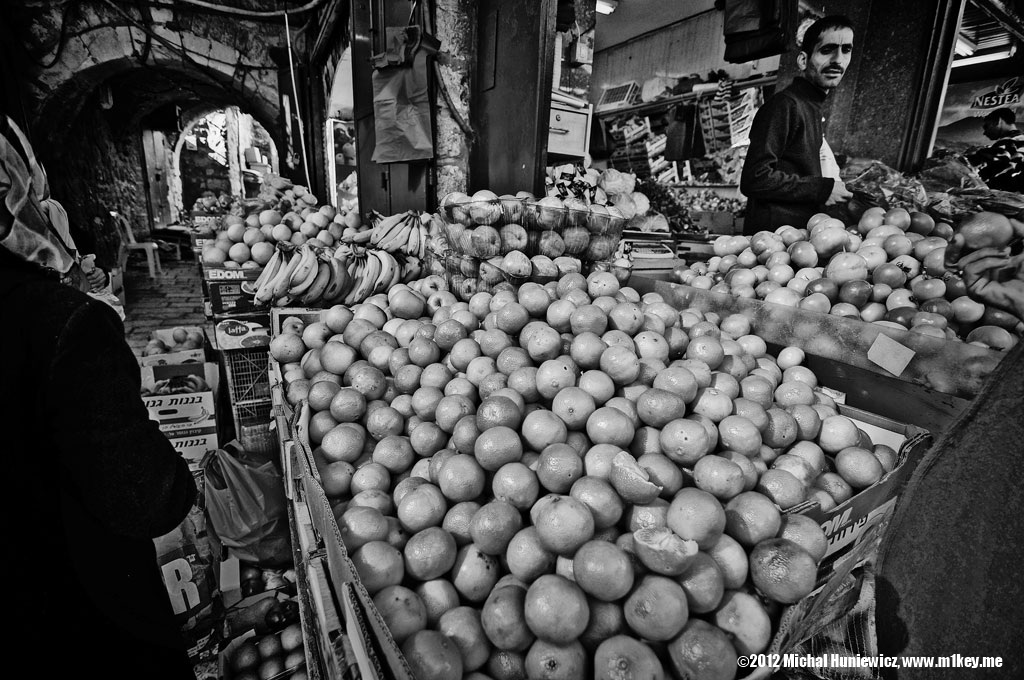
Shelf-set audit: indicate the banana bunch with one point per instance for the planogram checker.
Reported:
(303, 277)
(372, 271)
(404, 232)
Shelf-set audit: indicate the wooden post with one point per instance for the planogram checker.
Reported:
(455, 26)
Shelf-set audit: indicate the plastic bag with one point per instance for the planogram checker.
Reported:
(401, 113)
(614, 182)
(247, 508)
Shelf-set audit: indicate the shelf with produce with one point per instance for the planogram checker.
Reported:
(660, 105)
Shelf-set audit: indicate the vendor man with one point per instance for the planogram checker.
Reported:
(782, 176)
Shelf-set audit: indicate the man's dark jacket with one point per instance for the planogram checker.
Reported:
(782, 173)
(91, 481)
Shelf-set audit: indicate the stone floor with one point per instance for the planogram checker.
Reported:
(174, 298)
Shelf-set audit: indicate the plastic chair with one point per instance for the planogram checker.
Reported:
(151, 248)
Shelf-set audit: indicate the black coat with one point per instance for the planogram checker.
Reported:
(782, 172)
(91, 481)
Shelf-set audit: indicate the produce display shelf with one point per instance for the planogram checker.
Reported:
(954, 369)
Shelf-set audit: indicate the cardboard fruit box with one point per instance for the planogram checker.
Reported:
(188, 419)
(230, 290)
(177, 356)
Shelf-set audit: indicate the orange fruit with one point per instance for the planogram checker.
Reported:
(427, 438)
(360, 525)
(461, 478)
(556, 609)
(661, 470)
(497, 446)
(808, 423)
(719, 476)
(782, 487)
(432, 656)
(516, 484)
(394, 453)
(751, 517)
(558, 468)
(402, 610)
(586, 349)
(656, 609)
(321, 393)
(837, 433)
(429, 554)
(703, 583)
(498, 411)
(493, 526)
(860, 468)
(782, 429)
(379, 500)
(462, 625)
(702, 650)
(679, 381)
(600, 498)
(371, 476)
(622, 657)
(662, 551)
(616, 338)
(320, 424)
(511, 318)
(384, 422)
(696, 515)
(423, 507)
(545, 343)
(806, 533)
(684, 441)
(474, 573)
(379, 565)
(438, 596)
(654, 514)
(630, 481)
(739, 434)
(506, 665)
(782, 570)
(758, 390)
(450, 409)
(606, 620)
(504, 621)
(465, 434)
(742, 617)
(621, 364)
(603, 570)
(609, 425)
(712, 404)
(657, 407)
(436, 462)
(793, 393)
(552, 377)
(707, 349)
(731, 559)
(796, 466)
(526, 557)
(887, 456)
(344, 442)
(549, 661)
(542, 428)
(564, 524)
(456, 521)
(574, 406)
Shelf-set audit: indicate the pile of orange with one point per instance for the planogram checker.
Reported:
(587, 484)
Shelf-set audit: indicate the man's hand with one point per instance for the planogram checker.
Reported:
(994, 278)
(839, 193)
(97, 279)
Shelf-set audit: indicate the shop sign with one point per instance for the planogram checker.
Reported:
(1006, 93)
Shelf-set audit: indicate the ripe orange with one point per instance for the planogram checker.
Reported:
(784, 489)
(438, 596)
(426, 438)
(421, 508)
(742, 617)
(465, 434)
(461, 478)
(402, 610)
(782, 570)
(344, 442)
(360, 525)
(684, 441)
(739, 434)
(370, 476)
(495, 411)
(837, 433)
(703, 583)
(630, 481)
(493, 526)
(432, 656)
(659, 549)
(474, 573)
(379, 565)
(564, 524)
(517, 484)
(697, 516)
(558, 468)
(456, 521)
(600, 498)
(573, 405)
(752, 517)
(556, 609)
(503, 618)
(552, 377)
(806, 533)
(712, 404)
(656, 609)
(526, 557)
(758, 390)
(719, 476)
(555, 662)
(661, 471)
(542, 428)
(860, 468)
(506, 665)
(731, 559)
(703, 651)
(621, 657)
(462, 625)
(782, 429)
(677, 380)
(609, 425)
(603, 570)
(621, 364)
(497, 446)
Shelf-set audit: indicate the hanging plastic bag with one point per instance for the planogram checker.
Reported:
(247, 508)
(401, 99)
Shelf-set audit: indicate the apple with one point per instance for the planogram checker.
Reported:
(512, 208)
(600, 220)
(568, 265)
(845, 267)
(826, 287)
(440, 299)
(543, 266)
(486, 241)
(432, 284)
(512, 237)
(516, 263)
(601, 247)
(856, 293)
(467, 288)
(578, 212)
(551, 244)
(549, 212)
(490, 271)
(576, 239)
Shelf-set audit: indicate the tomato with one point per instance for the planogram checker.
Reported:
(679, 272)
(699, 268)
(897, 245)
(943, 230)
(921, 223)
(702, 282)
(901, 297)
(783, 296)
(744, 291)
(747, 258)
(845, 267)
(856, 293)
(933, 331)
(898, 217)
(816, 302)
(803, 254)
(740, 276)
(797, 284)
(780, 274)
(760, 272)
(791, 236)
(955, 286)
(901, 315)
(846, 310)
(781, 257)
(721, 288)
(885, 231)
(997, 317)
(928, 319)
(714, 263)
(934, 262)
(890, 275)
(939, 306)
(872, 311)
(880, 291)
(927, 245)
(873, 255)
(871, 218)
(926, 289)
(762, 289)
(909, 264)
(828, 242)
(966, 310)
(826, 287)
(993, 336)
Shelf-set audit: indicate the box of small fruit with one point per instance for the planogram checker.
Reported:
(171, 346)
(273, 648)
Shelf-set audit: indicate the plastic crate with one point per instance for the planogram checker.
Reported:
(248, 374)
(252, 427)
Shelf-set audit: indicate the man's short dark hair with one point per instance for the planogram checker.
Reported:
(813, 33)
(1003, 115)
